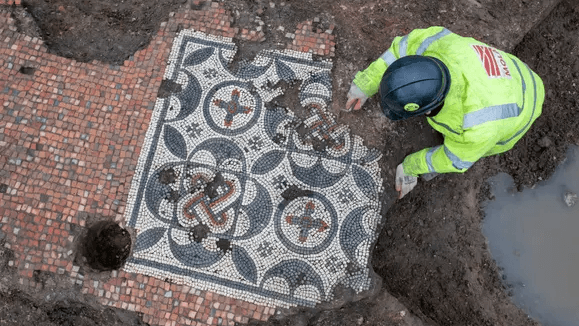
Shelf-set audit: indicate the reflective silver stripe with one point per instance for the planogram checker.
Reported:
(429, 158)
(534, 102)
(495, 112)
(389, 57)
(444, 126)
(426, 43)
(522, 80)
(457, 162)
(403, 46)
(491, 113)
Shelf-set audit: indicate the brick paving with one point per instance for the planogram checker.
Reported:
(70, 138)
(306, 39)
(10, 2)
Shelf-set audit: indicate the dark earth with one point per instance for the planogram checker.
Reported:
(431, 255)
(106, 246)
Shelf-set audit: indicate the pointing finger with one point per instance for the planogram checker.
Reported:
(358, 105)
(349, 105)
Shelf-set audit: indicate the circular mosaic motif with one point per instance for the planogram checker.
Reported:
(231, 109)
(307, 225)
(243, 200)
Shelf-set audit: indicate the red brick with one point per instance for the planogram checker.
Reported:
(38, 221)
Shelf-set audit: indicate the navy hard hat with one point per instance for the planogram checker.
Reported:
(413, 85)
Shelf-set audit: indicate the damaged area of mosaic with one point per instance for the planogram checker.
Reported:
(228, 196)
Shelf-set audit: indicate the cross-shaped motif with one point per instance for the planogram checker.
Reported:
(332, 263)
(193, 130)
(232, 108)
(255, 143)
(305, 222)
(345, 196)
(210, 73)
(280, 182)
(265, 249)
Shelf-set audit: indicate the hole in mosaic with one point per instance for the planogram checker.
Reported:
(199, 232)
(240, 193)
(27, 70)
(167, 88)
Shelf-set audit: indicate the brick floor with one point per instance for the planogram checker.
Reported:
(319, 42)
(70, 138)
(10, 2)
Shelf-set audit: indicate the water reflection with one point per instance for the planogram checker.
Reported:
(533, 235)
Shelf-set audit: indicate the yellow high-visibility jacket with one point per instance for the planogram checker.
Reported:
(493, 99)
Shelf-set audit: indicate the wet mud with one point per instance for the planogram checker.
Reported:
(532, 236)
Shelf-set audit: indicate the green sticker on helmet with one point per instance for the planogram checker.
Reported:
(411, 107)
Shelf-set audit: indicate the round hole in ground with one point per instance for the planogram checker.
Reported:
(106, 246)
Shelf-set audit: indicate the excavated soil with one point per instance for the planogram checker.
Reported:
(431, 254)
(103, 30)
(19, 309)
(106, 246)
(53, 302)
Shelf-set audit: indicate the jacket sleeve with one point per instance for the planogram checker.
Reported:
(453, 156)
(369, 79)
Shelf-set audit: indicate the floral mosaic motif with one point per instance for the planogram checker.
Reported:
(232, 107)
(306, 222)
(231, 196)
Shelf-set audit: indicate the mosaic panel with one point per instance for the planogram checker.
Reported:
(236, 195)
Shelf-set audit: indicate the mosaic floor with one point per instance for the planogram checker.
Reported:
(236, 195)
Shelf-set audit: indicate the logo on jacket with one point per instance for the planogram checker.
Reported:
(493, 62)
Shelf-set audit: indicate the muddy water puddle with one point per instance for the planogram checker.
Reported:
(534, 237)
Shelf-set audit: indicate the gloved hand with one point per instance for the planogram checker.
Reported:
(404, 182)
(356, 98)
